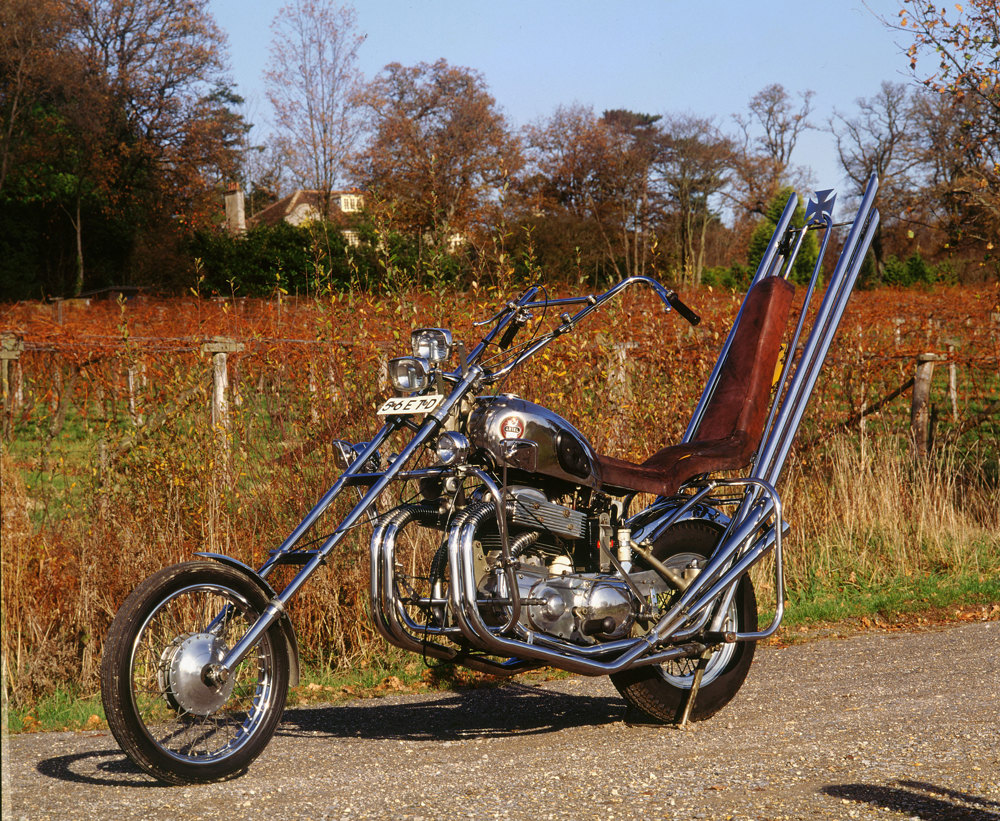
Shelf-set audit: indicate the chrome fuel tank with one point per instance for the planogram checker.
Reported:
(562, 451)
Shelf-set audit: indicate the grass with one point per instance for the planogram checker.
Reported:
(902, 600)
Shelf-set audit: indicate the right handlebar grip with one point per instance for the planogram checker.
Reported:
(683, 309)
(509, 333)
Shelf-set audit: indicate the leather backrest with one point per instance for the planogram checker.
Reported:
(739, 406)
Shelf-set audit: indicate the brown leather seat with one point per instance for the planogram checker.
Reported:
(733, 423)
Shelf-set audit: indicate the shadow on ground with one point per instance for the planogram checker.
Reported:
(103, 768)
(514, 709)
(920, 800)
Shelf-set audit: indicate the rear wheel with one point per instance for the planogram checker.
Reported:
(661, 691)
(168, 719)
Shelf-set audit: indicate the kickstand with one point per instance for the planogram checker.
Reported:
(693, 694)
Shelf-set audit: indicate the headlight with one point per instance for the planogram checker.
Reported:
(409, 373)
(344, 454)
(452, 448)
(433, 344)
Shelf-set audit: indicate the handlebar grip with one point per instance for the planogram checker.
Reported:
(683, 309)
(509, 333)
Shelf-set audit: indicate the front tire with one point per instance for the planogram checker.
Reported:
(170, 722)
(660, 692)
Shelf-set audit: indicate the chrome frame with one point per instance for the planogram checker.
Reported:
(753, 531)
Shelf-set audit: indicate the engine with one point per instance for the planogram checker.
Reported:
(579, 608)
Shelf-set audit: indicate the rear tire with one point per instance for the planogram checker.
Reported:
(170, 722)
(660, 692)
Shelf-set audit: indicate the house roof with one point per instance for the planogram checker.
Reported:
(300, 206)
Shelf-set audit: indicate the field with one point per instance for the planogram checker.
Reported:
(113, 467)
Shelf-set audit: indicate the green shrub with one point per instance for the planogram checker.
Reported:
(266, 259)
(906, 273)
(735, 278)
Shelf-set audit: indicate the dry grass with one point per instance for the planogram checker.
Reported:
(865, 511)
(93, 507)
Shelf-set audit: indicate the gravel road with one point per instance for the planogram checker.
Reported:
(877, 726)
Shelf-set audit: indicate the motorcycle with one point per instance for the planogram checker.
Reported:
(535, 554)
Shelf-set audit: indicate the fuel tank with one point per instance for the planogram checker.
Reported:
(560, 451)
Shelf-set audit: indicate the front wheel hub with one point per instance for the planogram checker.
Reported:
(193, 677)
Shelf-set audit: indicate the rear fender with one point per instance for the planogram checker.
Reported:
(287, 630)
(649, 524)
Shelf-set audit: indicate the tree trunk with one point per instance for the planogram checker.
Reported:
(78, 225)
(700, 260)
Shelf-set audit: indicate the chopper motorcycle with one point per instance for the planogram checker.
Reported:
(536, 555)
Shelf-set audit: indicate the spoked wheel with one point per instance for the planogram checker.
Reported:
(661, 691)
(166, 717)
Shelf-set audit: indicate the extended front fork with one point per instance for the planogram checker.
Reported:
(216, 673)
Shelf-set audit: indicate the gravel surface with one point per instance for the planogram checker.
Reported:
(877, 726)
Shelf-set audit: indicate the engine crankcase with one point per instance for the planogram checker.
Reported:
(582, 609)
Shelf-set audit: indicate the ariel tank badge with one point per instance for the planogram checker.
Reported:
(512, 427)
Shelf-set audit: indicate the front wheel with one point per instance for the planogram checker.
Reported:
(661, 691)
(166, 717)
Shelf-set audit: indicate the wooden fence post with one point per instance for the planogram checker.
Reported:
(313, 391)
(383, 371)
(619, 385)
(10, 351)
(921, 429)
(220, 347)
(953, 378)
(130, 379)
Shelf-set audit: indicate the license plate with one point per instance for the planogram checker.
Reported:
(405, 405)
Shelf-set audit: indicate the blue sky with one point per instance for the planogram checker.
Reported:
(704, 57)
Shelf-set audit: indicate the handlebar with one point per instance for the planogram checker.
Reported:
(513, 316)
(668, 297)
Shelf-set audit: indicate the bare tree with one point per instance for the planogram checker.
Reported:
(694, 167)
(117, 110)
(769, 134)
(566, 154)
(954, 52)
(635, 145)
(596, 173)
(882, 138)
(159, 59)
(312, 82)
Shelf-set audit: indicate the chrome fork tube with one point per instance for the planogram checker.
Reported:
(775, 449)
(692, 599)
(277, 605)
(321, 506)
